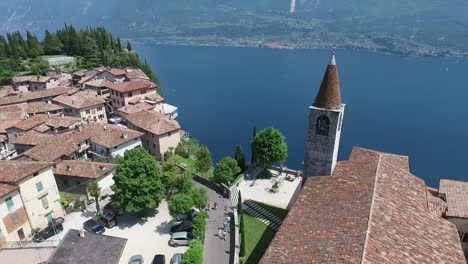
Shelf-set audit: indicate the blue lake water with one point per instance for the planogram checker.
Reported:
(410, 106)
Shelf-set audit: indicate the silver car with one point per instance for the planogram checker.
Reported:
(177, 258)
(181, 239)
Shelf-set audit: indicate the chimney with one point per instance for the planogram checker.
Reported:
(105, 127)
(68, 168)
(79, 128)
(102, 167)
(124, 135)
(82, 233)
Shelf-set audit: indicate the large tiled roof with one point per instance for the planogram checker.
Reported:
(6, 189)
(329, 95)
(153, 122)
(96, 83)
(6, 123)
(12, 171)
(31, 96)
(130, 86)
(62, 121)
(29, 108)
(155, 98)
(31, 122)
(34, 138)
(436, 204)
(134, 108)
(84, 169)
(116, 72)
(456, 195)
(136, 73)
(371, 210)
(108, 135)
(80, 99)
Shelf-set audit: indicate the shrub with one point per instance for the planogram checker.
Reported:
(194, 254)
(199, 225)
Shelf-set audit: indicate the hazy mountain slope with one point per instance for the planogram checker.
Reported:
(417, 26)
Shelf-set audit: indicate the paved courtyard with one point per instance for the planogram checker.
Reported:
(146, 237)
(25, 255)
(260, 190)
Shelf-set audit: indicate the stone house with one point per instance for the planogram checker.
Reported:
(161, 133)
(39, 83)
(45, 96)
(124, 93)
(86, 104)
(38, 199)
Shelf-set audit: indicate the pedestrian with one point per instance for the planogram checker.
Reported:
(220, 233)
(215, 205)
(225, 235)
(208, 207)
(229, 219)
(226, 224)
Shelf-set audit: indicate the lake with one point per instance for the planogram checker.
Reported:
(403, 105)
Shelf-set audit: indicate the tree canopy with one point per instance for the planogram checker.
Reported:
(226, 170)
(270, 147)
(138, 183)
(203, 162)
(194, 255)
(175, 179)
(180, 204)
(199, 198)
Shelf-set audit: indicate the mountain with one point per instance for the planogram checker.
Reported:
(425, 27)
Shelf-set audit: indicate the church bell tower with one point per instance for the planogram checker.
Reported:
(325, 120)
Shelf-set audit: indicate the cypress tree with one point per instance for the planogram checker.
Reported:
(240, 158)
(119, 45)
(129, 47)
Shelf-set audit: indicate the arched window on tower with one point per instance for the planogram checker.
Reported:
(323, 125)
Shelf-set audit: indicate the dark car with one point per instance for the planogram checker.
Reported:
(93, 226)
(159, 259)
(186, 226)
(54, 227)
(177, 258)
(108, 220)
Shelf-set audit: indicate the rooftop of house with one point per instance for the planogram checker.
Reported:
(42, 128)
(30, 123)
(34, 138)
(86, 79)
(62, 121)
(74, 249)
(136, 73)
(156, 98)
(130, 86)
(153, 122)
(371, 210)
(436, 204)
(32, 96)
(6, 189)
(96, 83)
(116, 72)
(134, 108)
(12, 171)
(64, 144)
(83, 169)
(108, 135)
(5, 90)
(79, 99)
(32, 78)
(456, 195)
(6, 123)
(30, 108)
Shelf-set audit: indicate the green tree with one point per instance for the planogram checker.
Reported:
(180, 203)
(199, 198)
(226, 170)
(95, 191)
(253, 160)
(175, 179)
(64, 200)
(129, 46)
(199, 225)
(240, 158)
(270, 147)
(52, 45)
(39, 66)
(138, 182)
(119, 45)
(194, 255)
(241, 225)
(203, 162)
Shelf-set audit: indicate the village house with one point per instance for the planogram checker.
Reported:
(135, 75)
(33, 108)
(24, 126)
(161, 133)
(113, 75)
(45, 96)
(111, 140)
(31, 139)
(133, 108)
(33, 83)
(38, 199)
(97, 85)
(74, 176)
(60, 124)
(84, 104)
(123, 93)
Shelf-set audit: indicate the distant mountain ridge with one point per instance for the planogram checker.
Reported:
(430, 27)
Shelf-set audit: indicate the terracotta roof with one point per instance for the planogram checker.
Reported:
(3, 138)
(31, 122)
(62, 121)
(34, 138)
(40, 107)
(108, 135)
(22, 109)
(13, 111)
(41, 79)
(136, 73)
(134, 100)
(6, 123)
(7, 89)
(32, 96)
(6, 189)
(84, 169)
(436, 204)
(329, 95)
(155, 98)
(96, 83)
(25, 78)
(41, 128)
(371, 210)
(130, 86)
(80, 73)
(116, 72)
(456, 195)
(80, 99)
(134, 108)
(63, 145)
(153, 121)
(101, 68)
(86, 79)
(12, 171)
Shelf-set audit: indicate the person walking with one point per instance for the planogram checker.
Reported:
(220, 233)
(225, 235)
(215, 205)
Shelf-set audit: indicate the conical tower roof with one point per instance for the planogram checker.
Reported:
(329, 95)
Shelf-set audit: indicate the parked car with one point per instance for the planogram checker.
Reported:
(193, 212)
(93, 226)
(108, 220)
(186, 226)
(177, 258)
(181, 239)
(159, 259)
(136, 259)
(54, 227)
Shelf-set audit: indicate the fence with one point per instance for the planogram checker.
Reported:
(28, 244)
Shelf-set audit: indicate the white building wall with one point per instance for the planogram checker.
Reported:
(35, 210)
(5, 211)
(120, 150)
(105, 182)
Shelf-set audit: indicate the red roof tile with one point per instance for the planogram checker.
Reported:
(33, 96)
(12, 171)
(31, 122)
(33, 138)
(153, 122)
(6, 189)
(84, 169)
(130, 86)
(80, 99)
(329, 95)
(456, 195)
(132, 109)
(62, 121)
(108, 135)
(371, 210)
